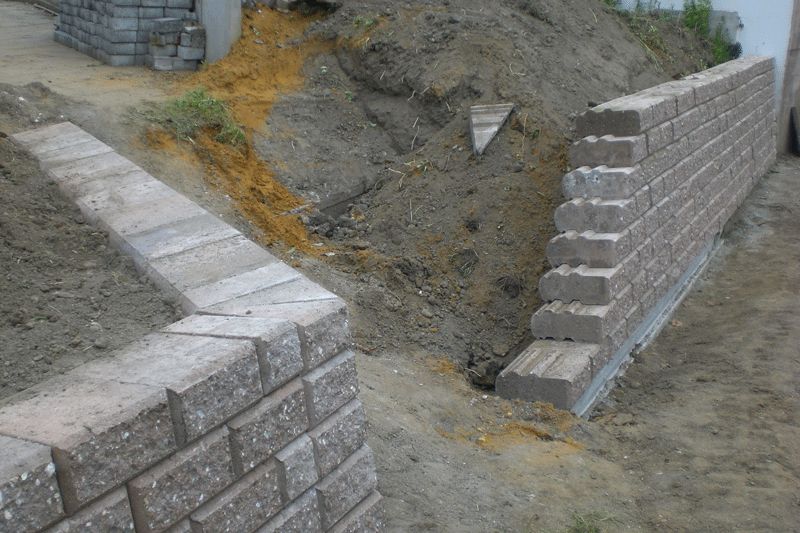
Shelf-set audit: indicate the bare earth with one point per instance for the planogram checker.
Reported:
(700, 435)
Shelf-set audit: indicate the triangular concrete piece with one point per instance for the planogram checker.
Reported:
(484, 123)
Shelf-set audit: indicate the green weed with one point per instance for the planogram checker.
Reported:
(696, 16)
(589, 523)
(195, 111)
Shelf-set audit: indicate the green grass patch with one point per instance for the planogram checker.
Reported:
(196, 111)
(696, 16)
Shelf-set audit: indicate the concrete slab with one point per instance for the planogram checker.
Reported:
(31, 138)
(484, 123)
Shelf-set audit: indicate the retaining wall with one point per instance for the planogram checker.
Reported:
(132, 32)
(658, 175)
(242, 416)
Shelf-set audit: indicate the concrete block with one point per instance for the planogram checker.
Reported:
(57, 137)
(330, 386)
(324, 332)
(193, 36)
(162, 39)
(602, 216)
(273, 275)
(298, 467)
(687, 122)
(339, 436)
(346, 486)
(125, 197)
(602, 182)
(485, 122)
(277, 342)
(596, 250)
(207, 380)
(243, 506)
(191, 53)
(659, 137)
(366, 516)
(143, 217)
(626, 116)
(103, 166)
(180, 236)
(574, 321)
(110, 513)
(72, 153)
(166, 50)
(264, 302)
(589, 286)
(610, 150)
(102, 432)
(168, 25)
(169, 64)
(182, 483)
(123, 23)
(28, 488)
(301, 516)
(268, 426)
(209, 263)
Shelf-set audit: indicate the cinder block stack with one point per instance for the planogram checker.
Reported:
(658, 175)
(176, 45)
(117, 32)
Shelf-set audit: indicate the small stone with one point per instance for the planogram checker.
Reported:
(100, 344)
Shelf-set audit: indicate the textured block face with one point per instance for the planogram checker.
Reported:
(244, 506)
(549, 371)
(301, 516)
(617, 152)
(346, 486)
(590, 286)
(339, 436)
(602, 216)
(298, 467)
(268, 426)
(277, 342)
(602, 182)
(110, 513)
(330, 386)
(597, 250)
(324, 332)
(30, 497)
(124, 428)
(182, 483)
(366, 516)
(207, 379)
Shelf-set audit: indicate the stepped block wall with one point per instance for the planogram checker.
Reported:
(657, 175)
(243, 416)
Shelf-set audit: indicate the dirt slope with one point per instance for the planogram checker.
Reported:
(443, 250)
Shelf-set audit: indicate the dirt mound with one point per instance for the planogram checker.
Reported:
(437, 250)
(67, 296)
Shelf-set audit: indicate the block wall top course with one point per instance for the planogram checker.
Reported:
(266, 350)
(660, 171)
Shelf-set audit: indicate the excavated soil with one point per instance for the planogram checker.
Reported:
(67, 297)
(435, 248)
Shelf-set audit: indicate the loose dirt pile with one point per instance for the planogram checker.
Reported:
(437, 250)
(67, 297)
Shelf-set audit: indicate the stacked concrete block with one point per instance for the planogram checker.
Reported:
(659, 174)
(176, 45)
(243, 416)
(117, 32)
